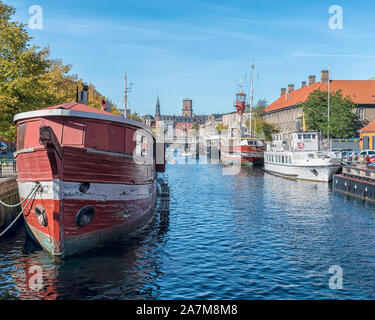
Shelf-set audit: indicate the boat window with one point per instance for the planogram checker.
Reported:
(129, 141)
(307, 136)
(371, 152)
(31, 138)
(73, 132)
(106, 137)
(282, 159)
(313, 136)
(311, 156)
(299, 137)
(21, 136)
(290, 159)
(143, 146)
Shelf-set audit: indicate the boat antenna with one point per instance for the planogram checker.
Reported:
(125, 97)
(329, 102)
(126, 91)
(251, 97)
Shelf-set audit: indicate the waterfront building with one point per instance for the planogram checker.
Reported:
(210, 125)
(231, 119)
(286, 110)
(148, 119)
(367, 137)
(178, 126)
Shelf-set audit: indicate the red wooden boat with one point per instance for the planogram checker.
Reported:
(94, 175)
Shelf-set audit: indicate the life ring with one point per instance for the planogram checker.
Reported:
(300, 145)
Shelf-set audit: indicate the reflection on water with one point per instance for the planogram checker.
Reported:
(246, 236)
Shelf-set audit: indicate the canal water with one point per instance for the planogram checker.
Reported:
(245, 236)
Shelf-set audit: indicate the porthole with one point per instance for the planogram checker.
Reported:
(84, 187)
(41, 216)
(84, 216)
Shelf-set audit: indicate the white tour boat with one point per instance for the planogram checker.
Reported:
(299, 156)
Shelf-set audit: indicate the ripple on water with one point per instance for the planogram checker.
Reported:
(248, 236)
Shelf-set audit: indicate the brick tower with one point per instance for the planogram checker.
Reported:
(187, 108)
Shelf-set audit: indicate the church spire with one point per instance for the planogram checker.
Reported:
(157, 108)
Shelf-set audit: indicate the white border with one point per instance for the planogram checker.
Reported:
(59, 190)
(79, 114)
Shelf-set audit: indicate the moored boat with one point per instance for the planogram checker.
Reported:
(357, 181)
(240, 147)
(244, 151)
(299, 156)
(93, 173)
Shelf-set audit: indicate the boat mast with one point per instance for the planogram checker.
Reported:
(251, 97)
(239, 132)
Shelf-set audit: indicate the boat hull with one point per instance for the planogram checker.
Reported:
(310, 173)
(119, 210)
(248, 160)
(96, 177)
(354, 187)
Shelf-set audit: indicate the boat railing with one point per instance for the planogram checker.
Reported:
(362, 173)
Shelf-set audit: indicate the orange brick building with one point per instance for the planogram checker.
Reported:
(286, 110)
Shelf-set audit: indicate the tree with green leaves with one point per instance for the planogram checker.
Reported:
(343, 121)
(258, 110)
(267, 128)
(263, 127)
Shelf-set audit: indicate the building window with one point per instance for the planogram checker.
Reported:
(361, 113)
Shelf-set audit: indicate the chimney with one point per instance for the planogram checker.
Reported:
(311, 80)
(84, 95)
(324, 76)
(303, 84)
(283, 91)
(290, 88)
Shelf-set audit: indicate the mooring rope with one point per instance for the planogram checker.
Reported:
(17, 204)
(20, 214)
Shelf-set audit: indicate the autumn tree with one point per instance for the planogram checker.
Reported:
(21, 69)
(220, 127)
(29, 79)
(135, 116)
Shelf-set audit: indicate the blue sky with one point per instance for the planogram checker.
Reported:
(201, 49)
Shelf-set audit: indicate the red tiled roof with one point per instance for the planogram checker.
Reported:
(369, 127)
(78, 107)
(360, 92)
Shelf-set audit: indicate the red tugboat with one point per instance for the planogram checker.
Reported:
(87, 176)
(240, 147)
